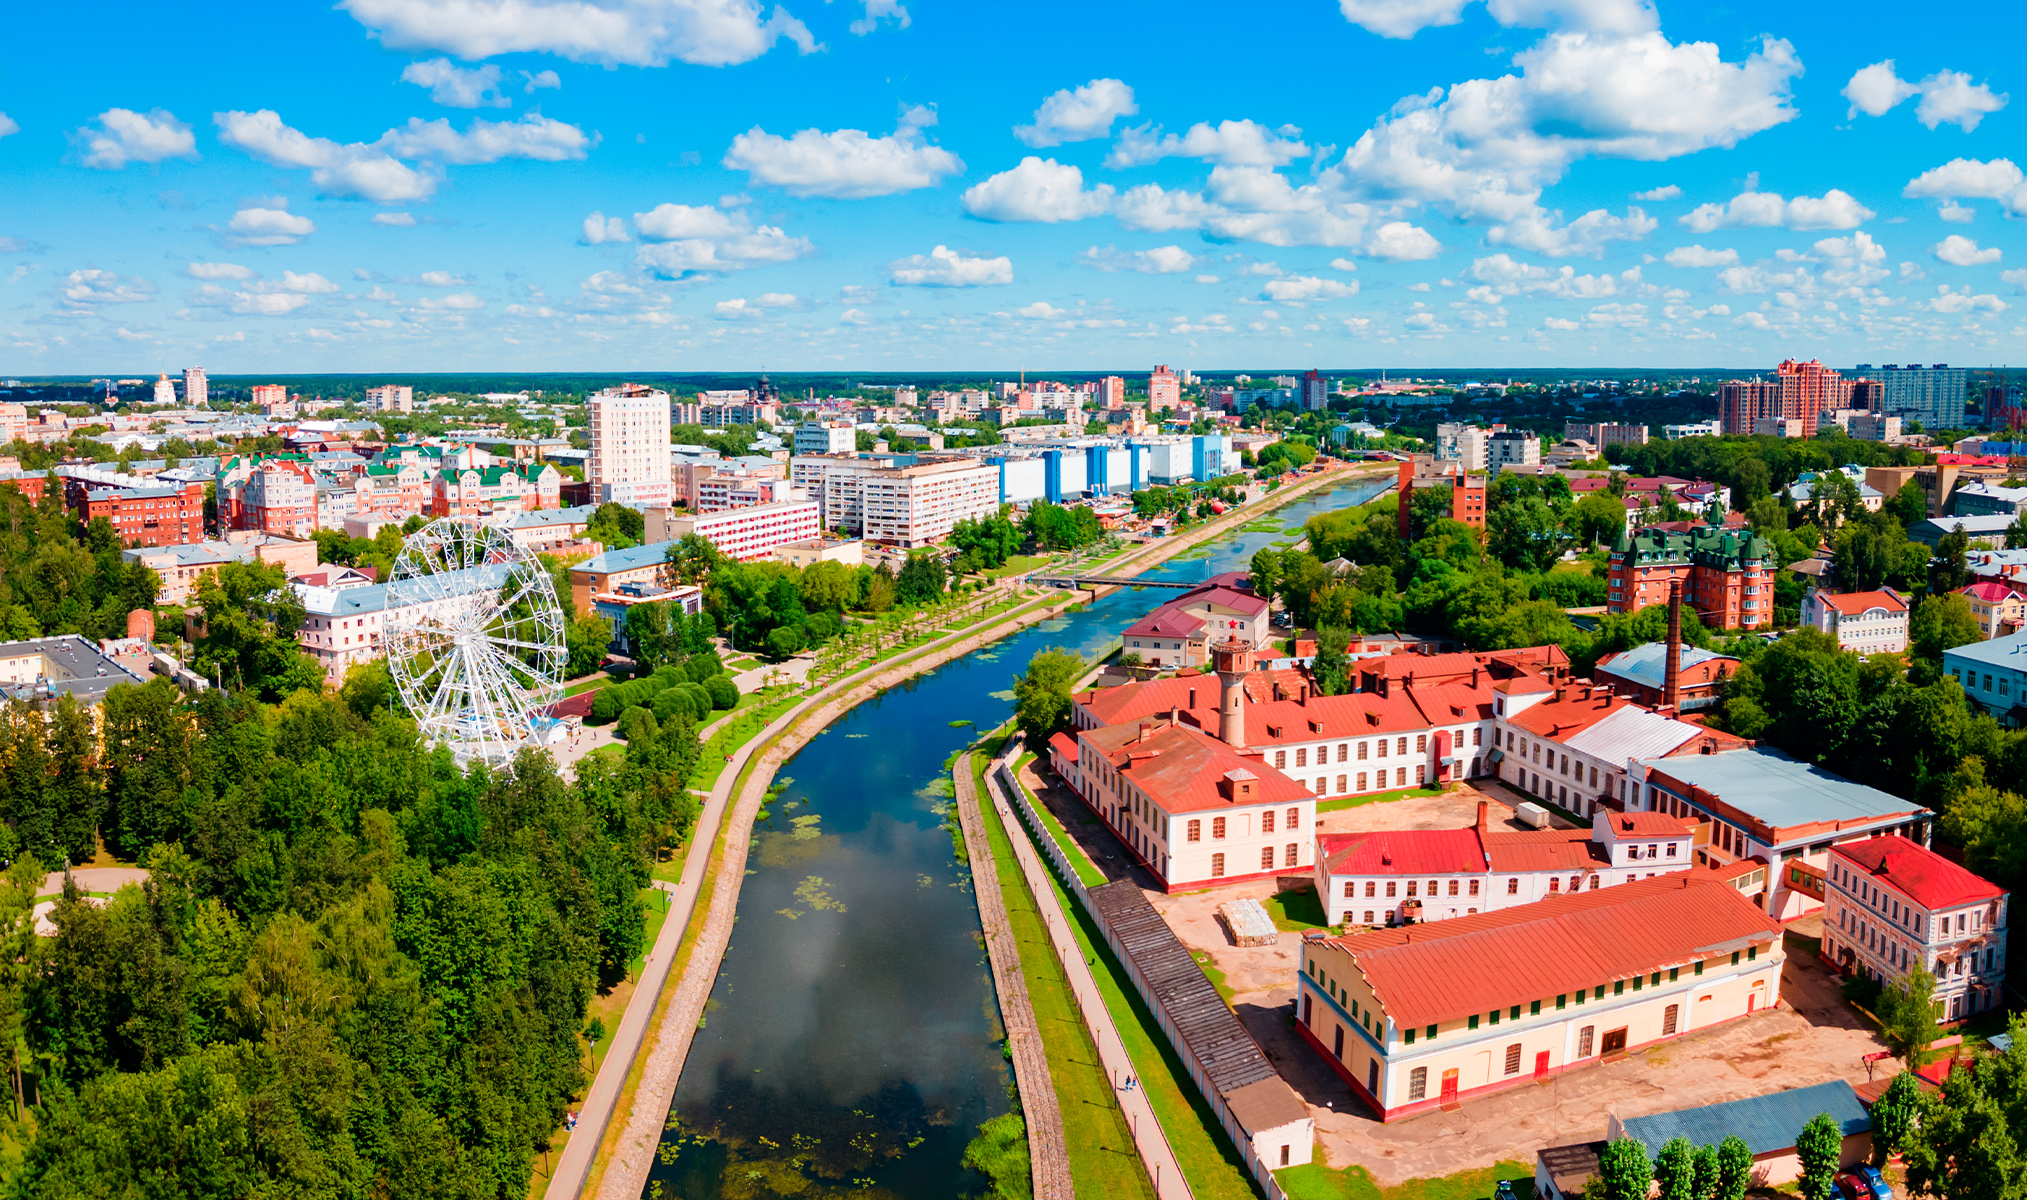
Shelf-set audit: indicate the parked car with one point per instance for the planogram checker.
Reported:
(1863, 1183)
(1504, 1191)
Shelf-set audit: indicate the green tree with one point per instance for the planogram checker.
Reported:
(1894, 1117)
(1705, 1173)
(148, 749)
(1734, 1168)
(1941, 623)
(1042, 695)
(1675, 1169)
(1972, 1133)
(1623, 1170)
(922, 578)
(1820, 1147)
(1907, 1017)
(1949, 569)
(1598, 517)
(585, 641)
(1908, 505)
(1528, 534)
(1331, 669)
(691, 559)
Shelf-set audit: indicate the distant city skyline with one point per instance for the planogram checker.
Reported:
(885, 186)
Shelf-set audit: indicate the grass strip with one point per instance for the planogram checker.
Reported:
(1344, 802)
(1314, 1181)
(1103, 1162)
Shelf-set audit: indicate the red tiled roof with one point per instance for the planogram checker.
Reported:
(1988, 591)
(1436, 667)
(1132, 701)
(1065, 745)
(1356, 714)
(1523, 685)
(1224, 597)
(1927, 878)
(1852, 603)
(1448, 703)
(1182, 769)
(1560, 718)
(1520, 850)
(1650, 824)
(1165, 622)
(1447, 970)
(1403, 852)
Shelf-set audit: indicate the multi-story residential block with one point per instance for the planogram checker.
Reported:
(196, 387)
(1742, 403)
(608, 572)
(752, 531)
(1429, 1015)
(1894, 906)
(1862, 622)
(495, 490)
(1467, 501)
(1462, 444)
(1999, 608)
(182, 568)
(272, 493)
(1806, 391)
(1164, 390)
(270, 395)
(1392, 877)
(1314, 391)
(1602, 434)
(1994, 676)
(391, 398)
(1111, 392)
(1512, 450)
(1727, 576)
(1760, 804)
(919, 505)
(143, 512)
(1933, 395)
(629, 433)
(825, 437)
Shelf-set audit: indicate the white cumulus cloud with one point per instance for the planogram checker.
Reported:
(1666, 191)
(1960, 251)
(1040, 310)
(877, 11)
(686, 240)
(262, 225)
(1697, 256)
(1540, 231)
(1308, 287)
(1947, 97)
(1162, 260)
(457, 87)
(944, 267)
(639, 33)
(94, 286)
(1753, 209)
(1947, 301)
(848, 164)
(2000, 179)
(1079, 115)
(218, 270)
(123, 136)
(599, 228)
(399, 220)
(1228, 143)
(374, 170)
(1039, 189)
(8, 125)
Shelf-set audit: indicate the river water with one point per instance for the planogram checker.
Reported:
(851, 1045)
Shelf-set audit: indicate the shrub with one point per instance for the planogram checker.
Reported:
(637, 724)
(724, 693)
(700, 667)
(700, 700)
(670, 675)
(672, 703)
(606, 704)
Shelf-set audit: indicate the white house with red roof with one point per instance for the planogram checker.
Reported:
(1572, 743)
(1168, 638)
(1178, 633)
(1999, 608)
(1392, 877)
(1862, 622)
(1892, 905)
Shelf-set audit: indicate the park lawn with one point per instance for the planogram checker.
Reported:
(1209, 1161)
(1018, 564)
(1344, 802)
(1103, 1162)
(1314, 1181)
(588, 684)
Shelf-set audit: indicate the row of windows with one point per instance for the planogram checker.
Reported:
(1195, 829)
(1291, 854)
(1400, 745)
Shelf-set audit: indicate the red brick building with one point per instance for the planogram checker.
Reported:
(1727, 576)
(1467, 501)
(156, 515)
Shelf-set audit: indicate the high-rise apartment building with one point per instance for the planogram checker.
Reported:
(1512, 449)
(1462, 444)
(1807, 391)
(825, 437)
(1111, 392)
(1315, 391)
(629, 460)
(1164, 390)
(395, 398)
(1932, 395)
(196, 387)
(270, 395)
(1741, 402)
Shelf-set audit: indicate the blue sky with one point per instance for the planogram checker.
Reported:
(416, 185)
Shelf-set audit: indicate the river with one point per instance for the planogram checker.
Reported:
(851, 1042)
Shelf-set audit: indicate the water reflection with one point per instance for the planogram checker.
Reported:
(852, 1041)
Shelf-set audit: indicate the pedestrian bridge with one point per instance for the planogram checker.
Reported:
(1098, 581)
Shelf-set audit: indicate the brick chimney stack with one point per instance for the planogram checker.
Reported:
(1671, 685)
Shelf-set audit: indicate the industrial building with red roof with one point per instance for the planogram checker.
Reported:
(1894, 905)
(1431, 1014)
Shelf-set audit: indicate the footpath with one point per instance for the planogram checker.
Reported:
(1155, 1153)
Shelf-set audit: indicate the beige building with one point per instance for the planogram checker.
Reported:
(919, 505)
(821, 549)
(181, 567)
(1862, 622)
(1428, 1015)
(629, 460)
(393, 398)
(1893, 905)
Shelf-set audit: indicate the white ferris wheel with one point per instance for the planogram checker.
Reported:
(474, 640)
